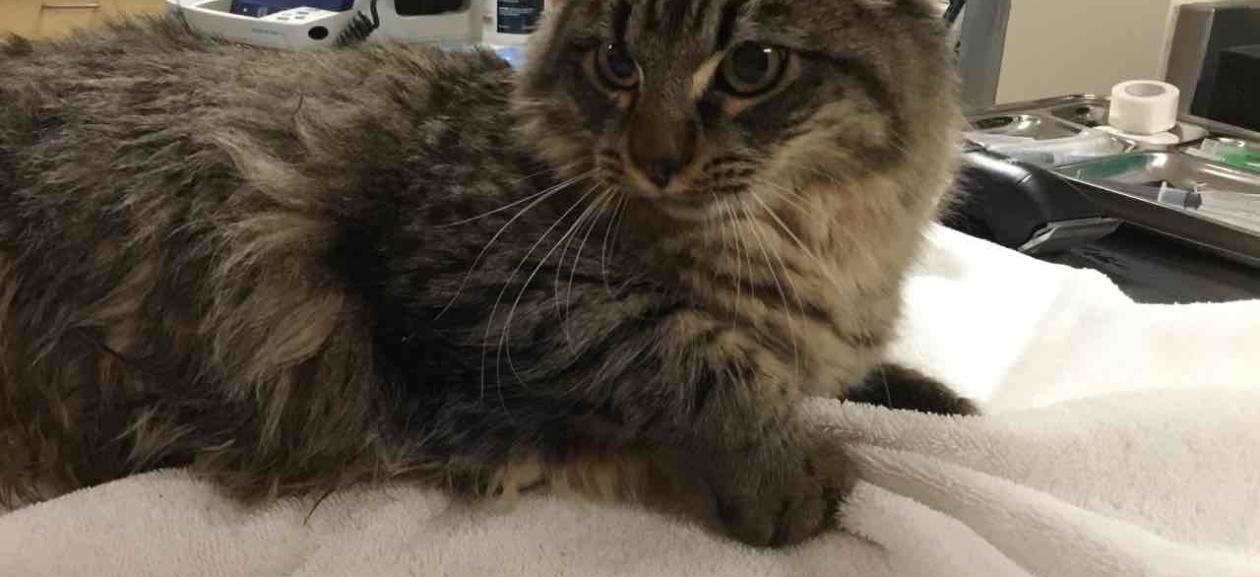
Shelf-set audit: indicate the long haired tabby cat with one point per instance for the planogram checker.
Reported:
(618, 270)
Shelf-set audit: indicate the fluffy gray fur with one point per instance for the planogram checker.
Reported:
(296, 271)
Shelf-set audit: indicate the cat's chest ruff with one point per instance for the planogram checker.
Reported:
(809, 332)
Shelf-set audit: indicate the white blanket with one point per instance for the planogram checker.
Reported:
(1120, 440)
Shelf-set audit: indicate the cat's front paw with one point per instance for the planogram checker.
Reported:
(772, 499)
(779, 510)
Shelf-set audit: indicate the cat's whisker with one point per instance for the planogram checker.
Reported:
(835, 180)
(617, 235)
(810, 257)
(568, 243)
(709, 233)
(838, 180)
(504, 343)
(588, 218)
(503, 208)
(883, 379)
(610, 193)
(788, 195)
(508, 206)
(741, 256)
(603, 254)
(787, 310)
(486, 249)
(787, 230)
(792, 197)
(498, 300)
(722, 224)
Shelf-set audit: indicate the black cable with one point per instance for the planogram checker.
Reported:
(360, 27)
(953, 10)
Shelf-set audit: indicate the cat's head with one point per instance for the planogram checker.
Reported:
(685, 103)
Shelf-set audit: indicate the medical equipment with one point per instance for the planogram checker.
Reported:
(275, 24)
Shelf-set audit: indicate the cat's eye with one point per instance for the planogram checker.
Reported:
(615, 67)
(753, 69)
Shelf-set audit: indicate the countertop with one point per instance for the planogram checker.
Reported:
(1154, 269)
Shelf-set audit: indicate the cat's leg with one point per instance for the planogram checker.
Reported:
(733, 453)
(897, 387)
(752, 471)
(779, 489)
(769, 485)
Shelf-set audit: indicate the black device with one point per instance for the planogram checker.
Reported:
(428, 7)
(1023, 206)
(1213, 59)
(1236, 97)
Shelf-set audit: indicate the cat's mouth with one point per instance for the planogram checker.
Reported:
(694, 203)
(688, 194)
(674, 187)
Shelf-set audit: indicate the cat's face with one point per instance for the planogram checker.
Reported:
(684, 103)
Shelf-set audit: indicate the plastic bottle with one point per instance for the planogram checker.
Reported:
(507, 24)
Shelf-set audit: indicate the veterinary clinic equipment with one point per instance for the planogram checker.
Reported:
(298, 24)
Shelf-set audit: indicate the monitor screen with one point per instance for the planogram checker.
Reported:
(260, 8)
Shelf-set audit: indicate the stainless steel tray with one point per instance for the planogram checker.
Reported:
(1034, 126)
(1224, 222)
(1091, 112)
(1048, 119)
(1044, 104)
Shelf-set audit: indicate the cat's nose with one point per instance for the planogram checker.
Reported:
(662, 171)
(661, 148)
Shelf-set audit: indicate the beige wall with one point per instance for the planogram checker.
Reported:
(51, 18)
(1058, 47)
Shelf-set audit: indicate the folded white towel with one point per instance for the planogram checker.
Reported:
(1122, 485)
(1121, 440)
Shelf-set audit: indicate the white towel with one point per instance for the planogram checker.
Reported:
(1120, 440)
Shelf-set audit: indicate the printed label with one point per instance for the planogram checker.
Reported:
(519, 16)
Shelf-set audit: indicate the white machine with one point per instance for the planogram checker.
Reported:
(303, 27)
(293, 28)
